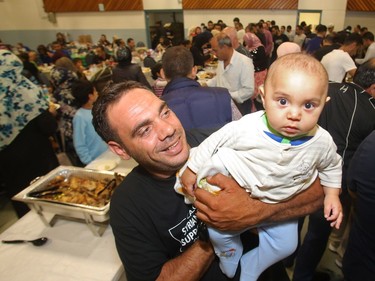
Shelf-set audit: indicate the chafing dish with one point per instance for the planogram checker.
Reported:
(96, 217)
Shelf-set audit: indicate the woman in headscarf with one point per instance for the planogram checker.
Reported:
(67, 63)
(26, 125)
(126, 70)
(63, 76)
(260, 61)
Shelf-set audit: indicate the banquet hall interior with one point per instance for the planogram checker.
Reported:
(90, 33)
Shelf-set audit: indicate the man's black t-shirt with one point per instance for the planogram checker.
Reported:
(152, 225)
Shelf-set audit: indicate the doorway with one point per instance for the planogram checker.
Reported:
(167, 22)
(312, 17)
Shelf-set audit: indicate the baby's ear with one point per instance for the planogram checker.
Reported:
(262, 92)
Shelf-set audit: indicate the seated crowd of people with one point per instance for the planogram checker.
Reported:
(234, 58)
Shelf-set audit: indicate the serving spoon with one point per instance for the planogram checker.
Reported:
(36, 242)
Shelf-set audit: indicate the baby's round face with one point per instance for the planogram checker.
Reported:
(293, 102)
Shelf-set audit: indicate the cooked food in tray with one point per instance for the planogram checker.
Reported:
(79, 189)
(205, 75)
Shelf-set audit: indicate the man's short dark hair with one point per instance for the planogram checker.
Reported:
(177, 62)
(340, 37)
(129, 40)
(353, 38)
(110, 95)
(81, 90)
(321, 28)
(156, 69)
(368, 35)
(365, 74)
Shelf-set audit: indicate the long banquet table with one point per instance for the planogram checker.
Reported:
(72, 252)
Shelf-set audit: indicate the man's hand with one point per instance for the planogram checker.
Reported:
(229, 208)
(233, 208)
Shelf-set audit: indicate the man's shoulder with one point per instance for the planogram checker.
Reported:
(342, 91)
(239, 58)
(190, 87)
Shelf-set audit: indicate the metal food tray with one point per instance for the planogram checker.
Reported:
(93, 216)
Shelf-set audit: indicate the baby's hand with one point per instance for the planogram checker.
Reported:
(333, 210)
(188, 180)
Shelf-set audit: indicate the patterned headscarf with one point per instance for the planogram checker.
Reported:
(63, 80)
(20, 100)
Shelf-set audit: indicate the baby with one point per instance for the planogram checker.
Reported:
(273, 154)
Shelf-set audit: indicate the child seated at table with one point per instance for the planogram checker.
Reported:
(87, 142)
(159, 83)
(273, 154)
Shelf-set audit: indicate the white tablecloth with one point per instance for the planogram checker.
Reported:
(73, 252)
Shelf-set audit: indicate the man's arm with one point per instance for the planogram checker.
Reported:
(352, 72)
(191, 265)
(234, 209)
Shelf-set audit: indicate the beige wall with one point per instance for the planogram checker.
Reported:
(282, 17)
(132, 24)
(333, 11)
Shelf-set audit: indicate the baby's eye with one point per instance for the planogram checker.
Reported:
(309, 105)
(283, 101)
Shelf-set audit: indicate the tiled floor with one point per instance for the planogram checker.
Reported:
(327, 264)
(7, 214)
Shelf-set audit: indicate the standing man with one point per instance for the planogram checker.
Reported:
(269, 40)
(156, 233)
(358, 263)
(197, 107)
(368, 42)
(316, 42)
(240, 32)
(339, 62)
(131, 44)
(349, 117)
(234, 72)
(300, 36)
(232, 33)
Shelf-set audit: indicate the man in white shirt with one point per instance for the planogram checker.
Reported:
(339, 62)
(300, 36)
(234, 72)
(368, 42)
(240, 32)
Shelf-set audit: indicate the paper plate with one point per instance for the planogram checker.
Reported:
(105, 165)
